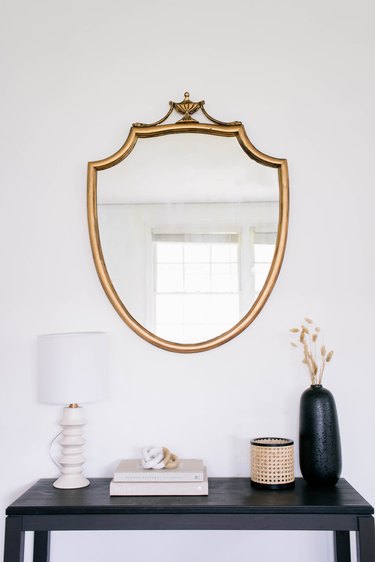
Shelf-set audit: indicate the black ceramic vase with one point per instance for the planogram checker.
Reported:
(319, 437)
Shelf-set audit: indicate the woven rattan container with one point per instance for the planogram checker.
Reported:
(272, 463)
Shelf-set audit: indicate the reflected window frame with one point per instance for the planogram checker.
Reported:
(186, 238)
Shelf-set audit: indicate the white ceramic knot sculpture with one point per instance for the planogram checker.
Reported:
(159, 457)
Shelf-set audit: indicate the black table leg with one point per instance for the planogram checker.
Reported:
(366, 539)
(342, 546)
(14, 545)
(41, 546)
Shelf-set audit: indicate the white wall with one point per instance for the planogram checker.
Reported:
(75, 75)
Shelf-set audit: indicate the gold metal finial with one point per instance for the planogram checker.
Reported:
(186, 107)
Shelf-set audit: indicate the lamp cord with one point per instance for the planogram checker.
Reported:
(55, 462)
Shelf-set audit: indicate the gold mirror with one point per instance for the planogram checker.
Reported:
(188, 230)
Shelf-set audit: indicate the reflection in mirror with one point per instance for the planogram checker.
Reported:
(188, 226)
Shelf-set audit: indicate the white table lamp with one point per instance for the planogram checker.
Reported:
(72, 368)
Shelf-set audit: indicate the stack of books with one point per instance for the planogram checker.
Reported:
(188, 479)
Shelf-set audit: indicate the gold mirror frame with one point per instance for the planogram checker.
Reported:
(188, 125)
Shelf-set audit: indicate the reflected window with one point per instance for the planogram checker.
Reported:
(195, 284)
(264, 249)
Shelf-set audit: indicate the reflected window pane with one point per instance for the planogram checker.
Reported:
(224, 309)
(169, 309)
(169, 278)
(225, 253)
(263, 256)
(261, 271)
(197, 309)
(197, 253)
(224, 277)
(264, 252)
(196, 285)
(169, 252)
(197, 278)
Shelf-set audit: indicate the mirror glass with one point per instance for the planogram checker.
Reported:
(188, 226)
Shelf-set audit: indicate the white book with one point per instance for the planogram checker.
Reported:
(131, 470)
(159, 488)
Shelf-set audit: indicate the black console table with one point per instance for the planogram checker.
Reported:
(231, 504)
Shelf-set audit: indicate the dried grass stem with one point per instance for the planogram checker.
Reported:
(307, 341)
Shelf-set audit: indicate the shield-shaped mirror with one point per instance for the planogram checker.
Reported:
(188, 230)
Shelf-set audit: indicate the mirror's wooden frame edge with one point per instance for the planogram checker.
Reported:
(237, 131)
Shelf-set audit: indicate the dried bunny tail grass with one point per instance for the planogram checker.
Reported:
(306, 355)
(310, 363)
(314, 358)
(315, 366)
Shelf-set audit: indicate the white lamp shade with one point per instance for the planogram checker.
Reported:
(72, 367)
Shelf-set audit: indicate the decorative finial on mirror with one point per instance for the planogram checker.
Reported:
(187, 108)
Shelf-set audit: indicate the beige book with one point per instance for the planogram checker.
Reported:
(131, 470)
(159, 488)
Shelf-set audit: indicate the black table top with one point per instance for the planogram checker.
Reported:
(226, 495)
